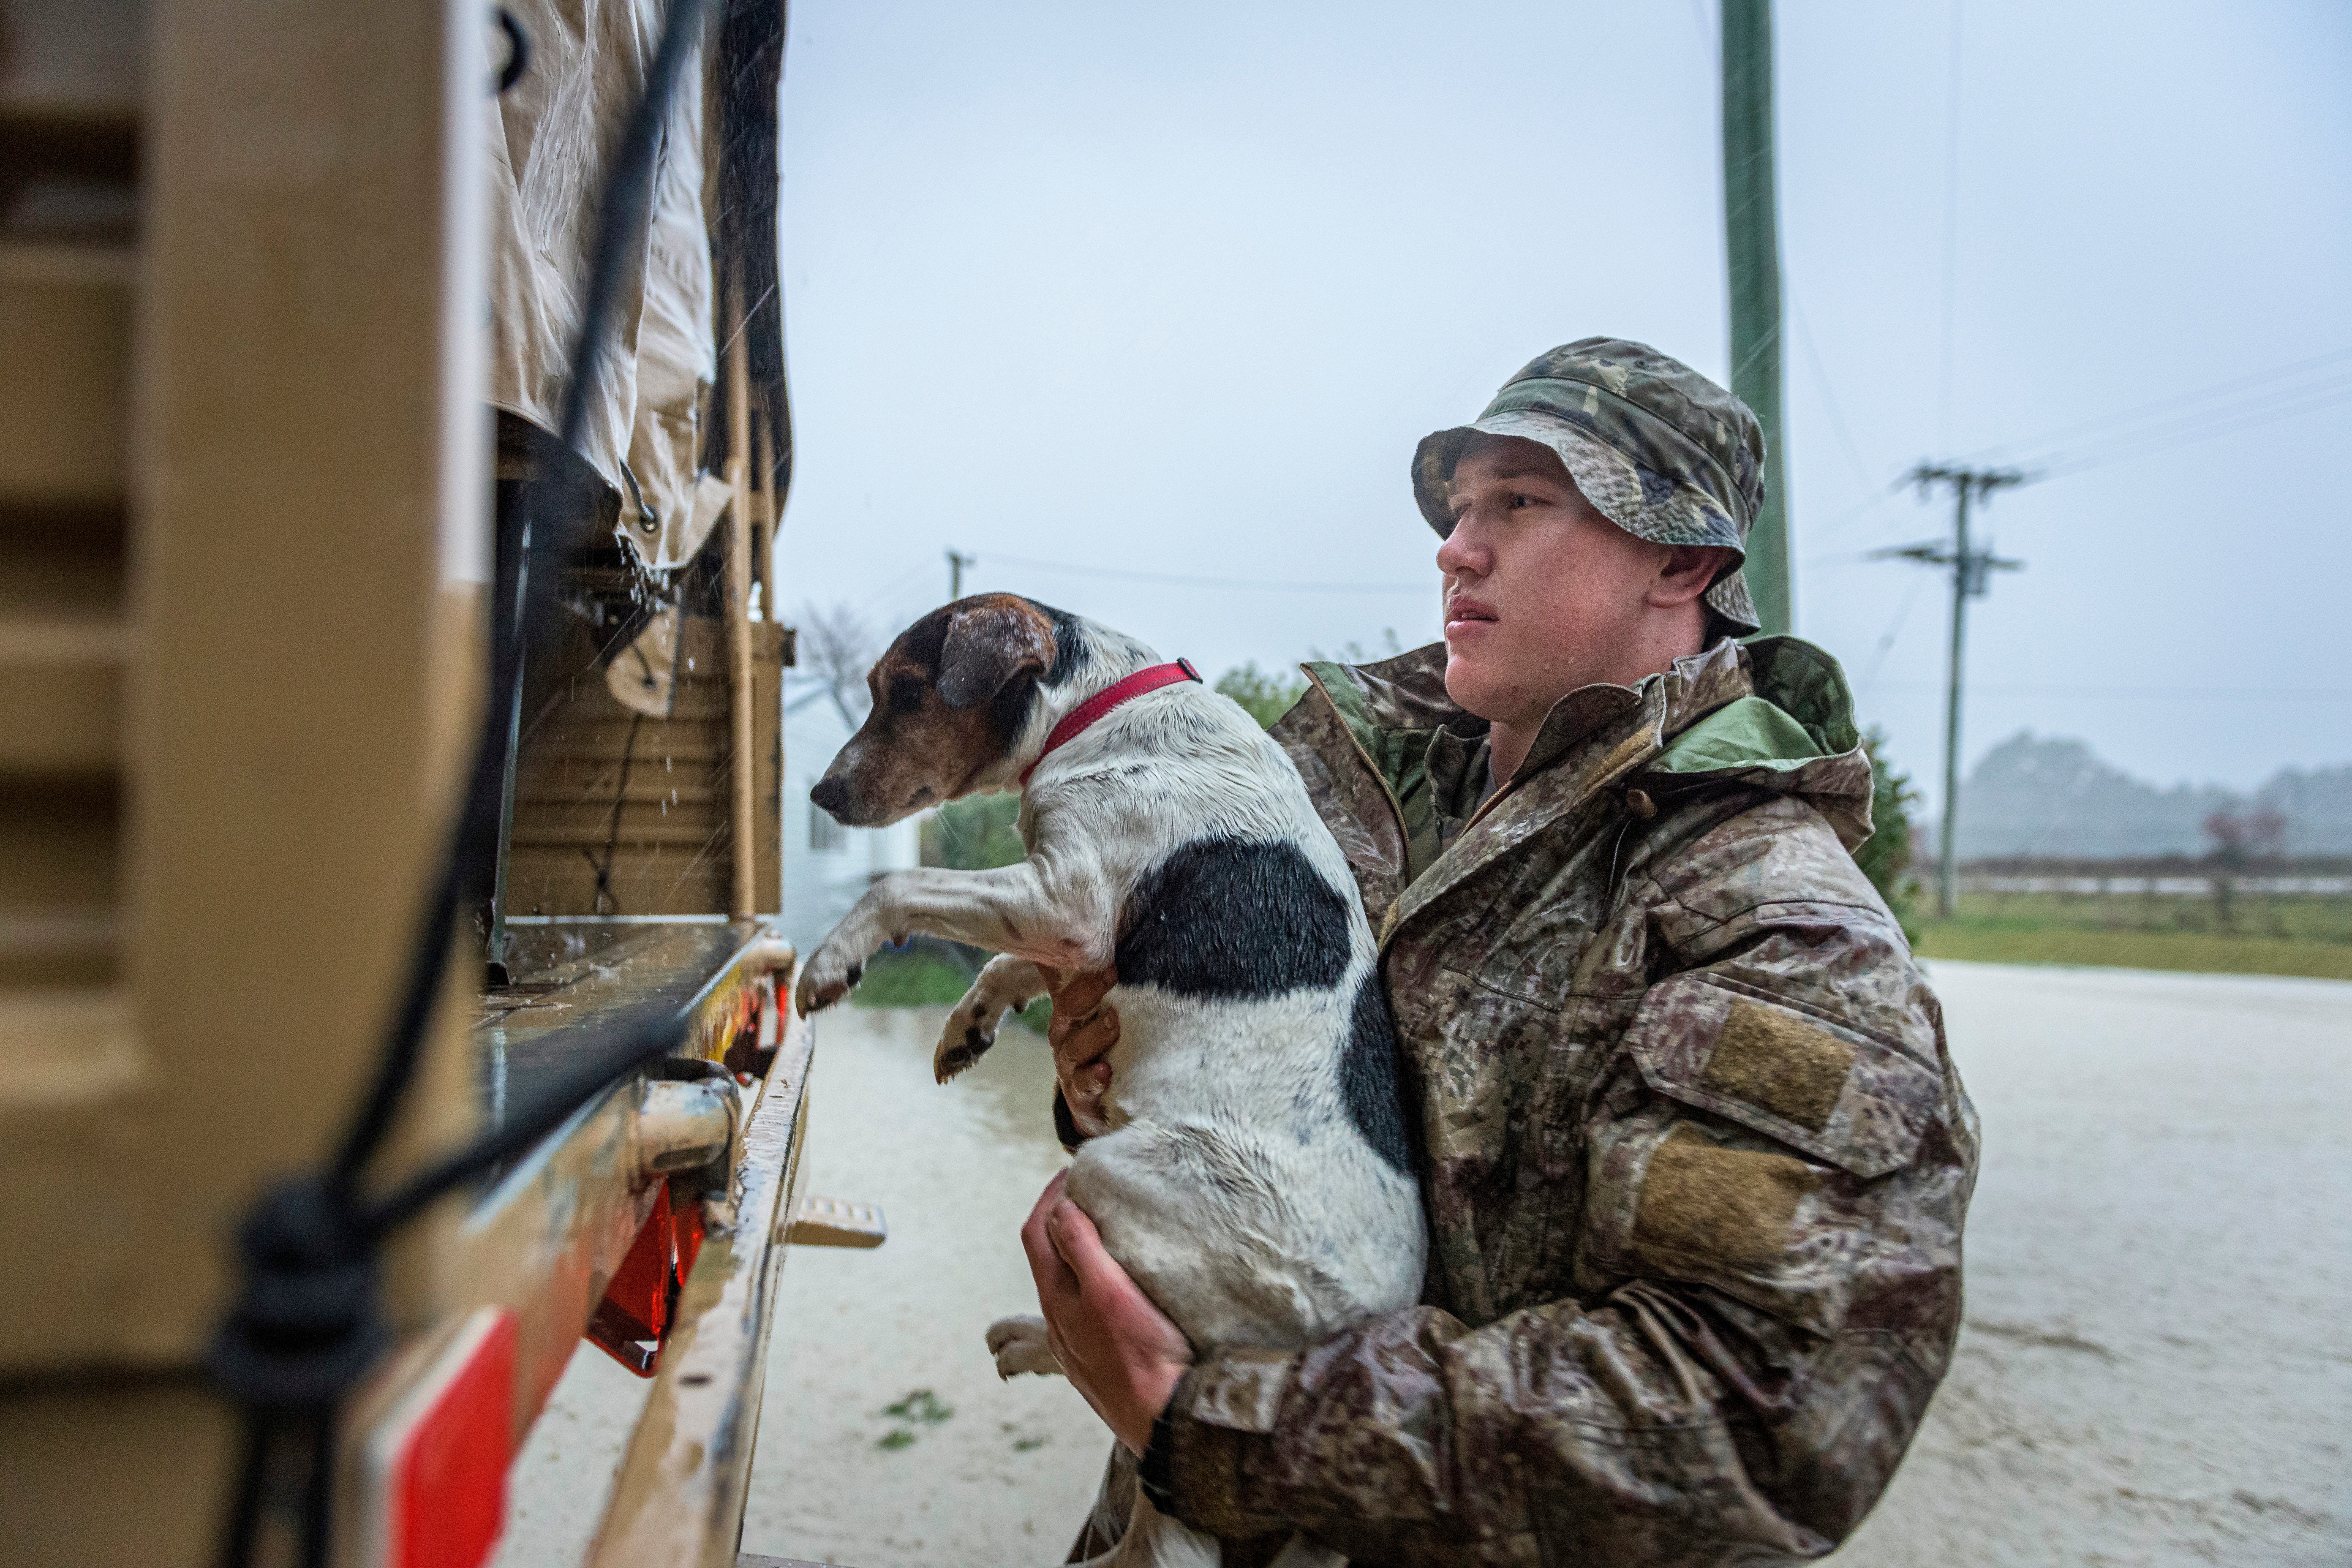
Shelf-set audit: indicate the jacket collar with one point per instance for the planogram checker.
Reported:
(1408, 732)
(1593, 738)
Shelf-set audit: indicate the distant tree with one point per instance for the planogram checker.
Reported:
(2238, 835)
(978, 832)
(1354, 652)
(1267, 696)
(2048, 795)
(837, 646)
(1886, 855)
(2317, 805)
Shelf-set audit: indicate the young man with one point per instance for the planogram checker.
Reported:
(1695, 1156)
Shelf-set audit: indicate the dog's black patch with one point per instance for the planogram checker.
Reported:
(926, 641)
(1369, 1075)
(1070, 655)
(1225, 918)
(1009, 708)
(1065, 1126)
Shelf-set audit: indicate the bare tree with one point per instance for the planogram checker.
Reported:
(837, 646)
(2240, 837)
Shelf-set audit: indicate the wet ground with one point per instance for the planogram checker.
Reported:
(2156, 1367)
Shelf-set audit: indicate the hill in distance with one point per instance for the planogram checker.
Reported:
(2051, 797)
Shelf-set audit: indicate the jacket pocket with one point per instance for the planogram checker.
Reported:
(1546, 940)
(1780, 1068)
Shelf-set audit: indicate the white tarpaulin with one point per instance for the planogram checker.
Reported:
(554, 134)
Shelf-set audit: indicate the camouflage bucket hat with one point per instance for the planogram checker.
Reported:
(1660, 450)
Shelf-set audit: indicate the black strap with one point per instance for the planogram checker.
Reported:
(307, 1323)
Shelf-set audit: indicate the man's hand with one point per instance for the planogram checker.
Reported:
(1119, 1350)
(1083, 1032)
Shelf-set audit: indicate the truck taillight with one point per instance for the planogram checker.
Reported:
(631, 1322)
(436, 1468)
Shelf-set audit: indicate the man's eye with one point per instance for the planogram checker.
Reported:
(906, 694)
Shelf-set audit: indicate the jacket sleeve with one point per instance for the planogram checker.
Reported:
(1778, 1160)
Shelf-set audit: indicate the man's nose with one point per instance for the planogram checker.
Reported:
(1463, 554)
(831, 795)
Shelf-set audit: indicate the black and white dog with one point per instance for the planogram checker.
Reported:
(1251, 1168)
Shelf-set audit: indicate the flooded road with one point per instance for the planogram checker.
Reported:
(1009, 1475)
(2156, 1362)
(2156, 1367)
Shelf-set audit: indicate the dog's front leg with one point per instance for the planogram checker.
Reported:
(1019, 1345)
(1052, 910)
(1005, 984)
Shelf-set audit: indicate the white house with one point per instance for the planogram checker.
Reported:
(827, 866)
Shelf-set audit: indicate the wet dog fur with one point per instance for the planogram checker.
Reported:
(1251, 1167)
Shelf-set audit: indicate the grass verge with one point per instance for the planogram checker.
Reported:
(921, 979)
(925, 979)
(2014, 942)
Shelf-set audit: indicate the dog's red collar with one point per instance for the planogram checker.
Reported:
(1075, 723)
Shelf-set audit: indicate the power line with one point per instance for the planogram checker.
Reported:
(1894, 630)
(1829, 392)
(1951, 233)
(1710, 35)
(1839, 523)
(892, 586)
(1182, 579)
(2206, 426)
(2254, 381)
(2192, 693)
(2172, 425)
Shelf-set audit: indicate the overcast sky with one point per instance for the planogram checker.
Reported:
(1085, 290)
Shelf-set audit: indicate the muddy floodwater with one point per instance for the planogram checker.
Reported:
(2157, 1367)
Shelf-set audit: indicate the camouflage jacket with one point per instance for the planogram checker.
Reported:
(1695, 1158)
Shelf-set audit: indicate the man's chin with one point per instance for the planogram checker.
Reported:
(1466, 683)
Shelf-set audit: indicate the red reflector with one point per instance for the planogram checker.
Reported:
(437, 1467)
(633, 1320)
(640, 1290)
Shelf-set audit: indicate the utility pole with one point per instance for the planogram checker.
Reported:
(1751, 233)
(956, 564)
(1971, 572)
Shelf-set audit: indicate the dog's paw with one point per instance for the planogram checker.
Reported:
(828, 978)
(970, 1029)
(1019, 1345)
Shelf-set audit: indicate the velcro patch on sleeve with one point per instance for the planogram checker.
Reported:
(1813, 1083)
(1779, 1061)
(1731, 1207)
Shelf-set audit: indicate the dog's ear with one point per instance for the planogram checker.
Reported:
(989, 641)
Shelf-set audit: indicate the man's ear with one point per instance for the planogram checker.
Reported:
(989, 641)
(1689, 570)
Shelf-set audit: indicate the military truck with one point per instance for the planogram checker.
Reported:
(392, 437)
